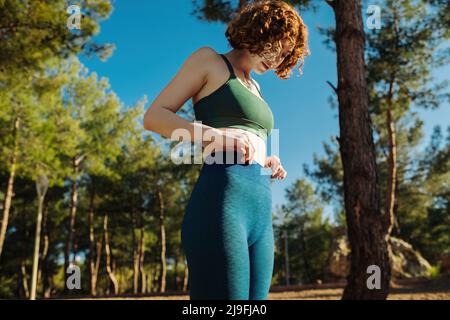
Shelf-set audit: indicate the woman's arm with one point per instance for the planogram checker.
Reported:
(161, 116)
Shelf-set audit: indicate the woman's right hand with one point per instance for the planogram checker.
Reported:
(233, 141)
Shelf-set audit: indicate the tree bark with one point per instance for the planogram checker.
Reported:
(24, 279)
(163, 243)
(109, 266)
(138, 256)
(392, 145)
(23, 288)
(135, 255)
(95, 248)
(42, 270)
(10, 184)
(76, 161)
(46, 275)
(366, 231)
(141, 259)
(392, 174)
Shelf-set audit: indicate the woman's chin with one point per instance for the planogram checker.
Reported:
(260, 69)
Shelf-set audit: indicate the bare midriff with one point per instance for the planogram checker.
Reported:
(257, 142)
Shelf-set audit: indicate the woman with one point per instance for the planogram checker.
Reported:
(226, 232)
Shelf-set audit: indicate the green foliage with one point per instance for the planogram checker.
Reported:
(222, 10)
(33, 31)
(306, 233)
(434, 272)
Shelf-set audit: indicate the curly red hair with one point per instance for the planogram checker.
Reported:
(269, 21)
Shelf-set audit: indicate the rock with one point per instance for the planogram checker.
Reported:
(445, 263)
(406, 262)
(338, 259)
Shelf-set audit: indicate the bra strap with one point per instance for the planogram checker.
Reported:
(232, 74)
(230, 67)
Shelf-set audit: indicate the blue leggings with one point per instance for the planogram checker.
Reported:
(227, 233)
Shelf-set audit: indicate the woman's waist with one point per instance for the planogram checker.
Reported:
(227, 163)
(258, 143)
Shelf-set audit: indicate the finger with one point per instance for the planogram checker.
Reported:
(253, 150)
(279, 172)
(276, 175)
(250, 149)
(283, 173)
(244, 155)
(274, 165)
(251, 154)
(244, 140)
(240, 145)
(276, 168)
(243, 151)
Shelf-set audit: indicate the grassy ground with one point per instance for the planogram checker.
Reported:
(417, 289)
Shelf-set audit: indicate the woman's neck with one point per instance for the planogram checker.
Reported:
(241, 61)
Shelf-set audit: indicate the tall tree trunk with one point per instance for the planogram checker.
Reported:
(98, 255)
(366, 231)
(109, 267)
(135, 254)
(46, 275)
(391, 190)
(23, 288)
(392, 145)
(42, 274)
(95, 248)
(141, 258)
(10, 184)
(138, 256)
(392, 172)
(24, 279)
(163, 243)
(76, 161)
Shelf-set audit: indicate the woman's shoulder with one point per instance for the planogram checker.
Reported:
(204, 58)
(206, 52)
(209, 60)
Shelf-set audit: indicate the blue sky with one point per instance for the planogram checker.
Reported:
(153, 39)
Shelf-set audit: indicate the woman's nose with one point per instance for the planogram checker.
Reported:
(276, 62)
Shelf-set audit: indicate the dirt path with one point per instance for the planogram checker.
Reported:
(418, 289)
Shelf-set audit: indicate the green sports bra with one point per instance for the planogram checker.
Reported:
(233, 105)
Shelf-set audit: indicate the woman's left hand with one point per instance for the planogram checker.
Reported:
(274, 163)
